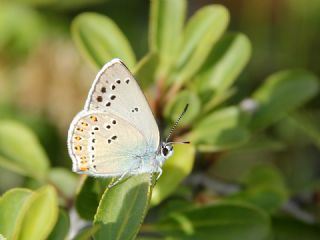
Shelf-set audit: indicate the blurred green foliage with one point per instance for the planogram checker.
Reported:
(252, 169)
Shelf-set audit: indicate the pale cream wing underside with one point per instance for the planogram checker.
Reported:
(103, 144)
(116, 91)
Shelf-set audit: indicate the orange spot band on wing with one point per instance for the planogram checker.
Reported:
(94, 118)
(84, 124)
(79, 129)
(82, 168)
(78, 148)
(77, 138)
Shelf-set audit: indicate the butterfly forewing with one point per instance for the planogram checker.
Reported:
(104, 144)
(116, 91)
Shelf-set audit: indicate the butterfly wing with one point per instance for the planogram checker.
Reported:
(103, 144)
(116, 91)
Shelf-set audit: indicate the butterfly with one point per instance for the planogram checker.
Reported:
(116, 134)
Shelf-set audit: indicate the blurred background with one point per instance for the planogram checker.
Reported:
(44, 81)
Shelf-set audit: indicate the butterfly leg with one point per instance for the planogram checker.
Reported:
(160, 173)
(112, 184)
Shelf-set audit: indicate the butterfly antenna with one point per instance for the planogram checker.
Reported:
(176, 123)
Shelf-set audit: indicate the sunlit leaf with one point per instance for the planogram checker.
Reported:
(100, 39)
(175, 169)
(222, 129)
(123, 207)
(14, 36)
(203, 30)
(41, 215)
(281, 93)
(86, 233)
(224, 63)
(166, 25)
(13, 205)
(61, 228)
(21, 151)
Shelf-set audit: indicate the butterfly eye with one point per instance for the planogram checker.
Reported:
(165, 151)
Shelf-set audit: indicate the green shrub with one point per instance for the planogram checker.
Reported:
(196, 63)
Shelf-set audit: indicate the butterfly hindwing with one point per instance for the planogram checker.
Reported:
(116, 91)
(103, 144)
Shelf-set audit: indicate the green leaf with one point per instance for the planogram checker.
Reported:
(123, 207)
(150, 238)
(222, 221)
(220, 70)
(145, 70)
(175, 169)
(13, 205)
(88, 197)
(14, 36)
(174, 107)
(61, 228)
(308, 123)
(166, 25)
(262, 142)
(282, 92)
(100, 39)
(291, 229)
(65, 181)
(224, 63)
(265, 188)
(86, 233)
(20, 151)
(222, 129)
(41, 215)
(71, 5)
(202, 31)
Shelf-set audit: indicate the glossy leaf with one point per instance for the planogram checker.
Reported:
(100, 39)
(203, 30)
(222, 129)
(291, 229)
(224, 63)
(89, 195)
(175, 169)
(281, 93)
(166, 25)
(175, 107)
(20, 151)
(122, 208)
(222, 221)
(41, 216)
(13, 205)
(61, 229)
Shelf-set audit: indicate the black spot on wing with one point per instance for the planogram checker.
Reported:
(99, 98)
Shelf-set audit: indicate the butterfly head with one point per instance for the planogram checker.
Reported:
(166, 150)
